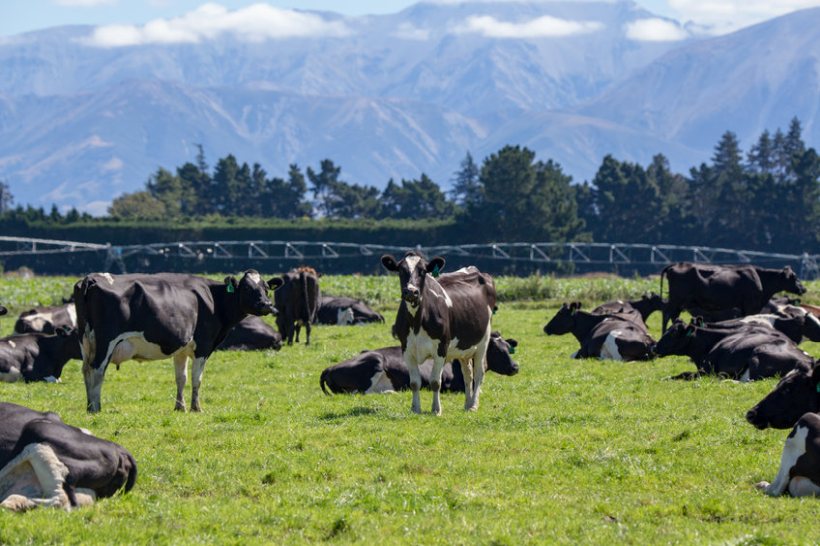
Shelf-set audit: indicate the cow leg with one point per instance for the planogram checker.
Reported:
(794, 447)
(298, 329)
(197, 369)
(181, 368)
(435, 383)
(479, 365)
(415, 382)
(93, 385)
(467, 372)
(307, 332)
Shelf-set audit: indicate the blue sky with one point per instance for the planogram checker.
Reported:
(18, 16)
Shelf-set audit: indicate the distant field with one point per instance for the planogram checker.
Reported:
(565, 452)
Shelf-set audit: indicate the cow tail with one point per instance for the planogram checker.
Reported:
(323, 382)
(132, 475)
(663, 274)
(306, 297)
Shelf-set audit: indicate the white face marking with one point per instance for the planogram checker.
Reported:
(412, 261)
(344, 316)
(108, 277)
(255, 278)
(794, 447)
(609, 350)
(71, 309)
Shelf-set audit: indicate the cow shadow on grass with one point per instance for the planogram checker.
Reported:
(359, 411)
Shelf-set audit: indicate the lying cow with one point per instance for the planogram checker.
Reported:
(794, 326)
(384, 370)
(3, 310)
(45, 462)
(612, 336)
(445, 318)
(799, 472)
(648, 304)
(796, 393)
(714, 288)
(297, 302)
(47, 320)
(251, 334)
(153, 317)
(340, 311)
(38, 357)
(747, 354)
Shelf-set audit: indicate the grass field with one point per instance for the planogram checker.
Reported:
(565, 452)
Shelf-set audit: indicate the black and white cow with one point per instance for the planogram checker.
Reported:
(384, 370)
(715, 288)
(251, 334)
(45, 462)
(611, 336)
(445, 318)
(648, 304)
(747, 354)
(167, 315)
(799, 472)
(297, 302)
(796, 393)
(3, 311)
(38, 357)
(794, 326)
(46, 320)
(340, 311)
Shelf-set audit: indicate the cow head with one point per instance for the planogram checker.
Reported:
(499, 353)
(413, 270)
(793, 396)
(252, 292)
(676, 339)
(564, 319)
(811, 327)
(791, 283)
(61, 347)
(3, 310)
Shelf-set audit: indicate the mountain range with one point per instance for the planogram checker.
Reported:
(392, 96)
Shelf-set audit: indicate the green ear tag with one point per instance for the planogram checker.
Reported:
(436, 271)
(818, 387)
(231, 289)
(512, 350)
(690, 333)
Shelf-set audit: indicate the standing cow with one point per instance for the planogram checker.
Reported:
(297, 302)
(443, 318)
(45, 462)
(715, 288)
(153, 317)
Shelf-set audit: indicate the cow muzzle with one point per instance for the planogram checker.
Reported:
(410, 294)
(754, 419)
(3, 310)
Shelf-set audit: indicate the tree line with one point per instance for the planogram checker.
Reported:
(765, 199)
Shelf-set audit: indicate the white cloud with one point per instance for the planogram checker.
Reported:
(728, 15)
(255, 23)
(406, 31)
(655, 30)
(541, 27)
(83, 3)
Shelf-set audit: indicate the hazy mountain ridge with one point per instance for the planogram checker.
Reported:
(82, 124)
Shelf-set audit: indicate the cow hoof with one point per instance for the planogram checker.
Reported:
(179, 407)
(196, 409)
(761, 485)
(417, 411)
(472, 408)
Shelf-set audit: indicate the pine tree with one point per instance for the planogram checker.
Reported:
(466, 188)
(6, 198)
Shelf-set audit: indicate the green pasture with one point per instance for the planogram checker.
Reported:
(567, 451)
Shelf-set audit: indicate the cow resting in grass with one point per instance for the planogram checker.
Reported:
(251, 334)
(384, 370)
(648, 304)
(153, 317)
(795, 327)
(340, 311)
(3, 310)
(714, 288)
(746, 354)
(795, 394)
(46, 320)
(445, 318)
(799, 472)
(38, 357)
(297, 302)
(45, 462)
(611, 336)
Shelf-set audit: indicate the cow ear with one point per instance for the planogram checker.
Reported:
(231, 283)
(690, 330)
(275, 283)
(435, 266)
(512, 342)
(389, 263)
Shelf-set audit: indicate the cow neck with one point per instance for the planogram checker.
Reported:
(426, 296)
(583, 324)
(643, 307)
(704, 341)
(226, 307)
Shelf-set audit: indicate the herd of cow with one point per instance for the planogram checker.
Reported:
(444, 326)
